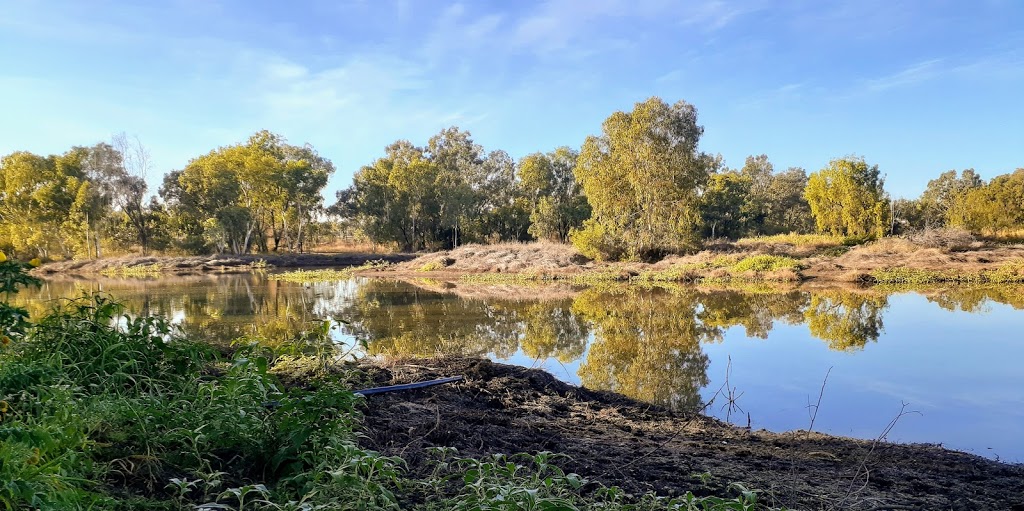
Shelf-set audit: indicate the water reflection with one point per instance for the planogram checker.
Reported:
(642, 342)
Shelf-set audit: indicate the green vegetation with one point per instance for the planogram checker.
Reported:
(326, 275)
(640, 190)
(642, 177)
(797, 240)
(144, 270)
(1008, 273)
(846, 199)
(766, 263)
(101, 410)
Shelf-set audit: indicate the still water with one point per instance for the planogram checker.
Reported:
(950, 358)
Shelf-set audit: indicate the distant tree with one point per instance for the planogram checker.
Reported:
(787, 209)
(759, 173)
(724, 204)
(556, 201)
(641, 178)
(397, 197)
(997, 207)
(942, 202)
(847, 199)
(234, 197)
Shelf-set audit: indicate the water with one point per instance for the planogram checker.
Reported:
(948, 360)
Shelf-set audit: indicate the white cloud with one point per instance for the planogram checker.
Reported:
(911, 75)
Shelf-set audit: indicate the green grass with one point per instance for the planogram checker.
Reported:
(326, 275)
(765, 262)
(799, 240)
(104, 410)
(145, 270)
(1011, 272)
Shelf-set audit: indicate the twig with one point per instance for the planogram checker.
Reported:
(863, 464)
(818, 404)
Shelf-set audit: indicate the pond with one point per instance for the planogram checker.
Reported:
(847, 361)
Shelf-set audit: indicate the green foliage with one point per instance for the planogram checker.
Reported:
(261, 194)
(641, 178)
(556, 199)
(327, 275)
(996, 207)
(847, 199)
(724, 204)
(766, 262)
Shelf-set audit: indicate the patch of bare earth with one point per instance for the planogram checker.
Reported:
(617, 441)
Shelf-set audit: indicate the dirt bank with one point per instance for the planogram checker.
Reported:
(617, 441)
(829, 263)
(212, 263)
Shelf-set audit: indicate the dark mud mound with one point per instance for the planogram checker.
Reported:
(617, 441)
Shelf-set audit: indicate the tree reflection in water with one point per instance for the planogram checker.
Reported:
(643, 342)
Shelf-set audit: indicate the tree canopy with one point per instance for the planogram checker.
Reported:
(642, 177)
(847, 198)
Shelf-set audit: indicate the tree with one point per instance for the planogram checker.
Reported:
(234, 197)
(641, 177)
(556, 201)
(759, 173)
(443, 195)
(847, 198)
(44, 204)
(787, 209)
(396, 197)
(723, 204)
(998, 206)
(942, 202)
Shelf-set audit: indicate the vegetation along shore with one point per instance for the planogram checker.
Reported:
(102, 410)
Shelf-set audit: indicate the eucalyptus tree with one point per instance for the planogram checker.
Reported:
(232, 197)
(555, 199)
(43, 201)
(641, 177)
(847, 198)
(997, 207)
(944, 199)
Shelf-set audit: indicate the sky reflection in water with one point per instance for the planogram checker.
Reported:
(953, 355)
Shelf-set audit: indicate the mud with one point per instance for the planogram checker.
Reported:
(614, 440)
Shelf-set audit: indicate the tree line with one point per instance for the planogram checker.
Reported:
(259, 195)
(640, 189)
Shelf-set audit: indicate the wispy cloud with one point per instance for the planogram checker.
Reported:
(911, 75)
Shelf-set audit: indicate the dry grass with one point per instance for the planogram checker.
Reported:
(948, 239)
(791, 245)
(500, 258)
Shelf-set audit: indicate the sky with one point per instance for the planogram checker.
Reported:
(916, 87)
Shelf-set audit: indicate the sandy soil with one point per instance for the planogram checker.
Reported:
(617, 441)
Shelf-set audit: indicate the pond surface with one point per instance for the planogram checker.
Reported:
(950, 359)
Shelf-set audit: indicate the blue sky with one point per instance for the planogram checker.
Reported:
(916, 87)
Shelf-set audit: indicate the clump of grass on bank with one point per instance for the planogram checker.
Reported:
(765, 262)
(101, 410)
(797, 240)
(326, 275)
(1011, 272)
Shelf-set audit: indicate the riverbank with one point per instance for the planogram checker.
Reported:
(151, 266)
(612, 440)
(780, 259)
